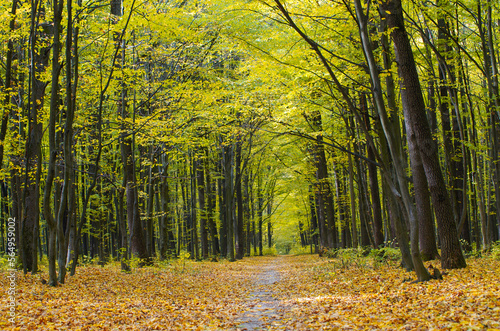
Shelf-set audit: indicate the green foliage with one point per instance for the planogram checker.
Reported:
(269, 251)
(300, 250)
(4, 262)
(495, 250)
(385, 254)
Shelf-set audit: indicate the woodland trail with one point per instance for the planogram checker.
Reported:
(264, 309)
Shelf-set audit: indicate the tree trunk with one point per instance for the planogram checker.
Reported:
(194, 220)
(314, 219)
(378, 229)
(221, 184)
(414, 108)
(200, 174)
(329, 236)
(53, 223)
(450, 123)
(7, 83)
(39, 58)
(260, 210)
(211, 200)
(163, 225)
(246, 211)
(352, 197)
(392, 135)
(491, 70)
(239, 233)
(228, 199)
(269, 223)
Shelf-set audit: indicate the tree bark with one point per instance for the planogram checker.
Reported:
(8, 83)
(211, 200)
(39, 59)
(200, 175)
(378, 230)
(392, 135)
(414, 109)
(229, 199)
(240, 232)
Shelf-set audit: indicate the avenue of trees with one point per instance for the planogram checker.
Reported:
(137, 131)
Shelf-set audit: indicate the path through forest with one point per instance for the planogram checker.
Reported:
(264, 309)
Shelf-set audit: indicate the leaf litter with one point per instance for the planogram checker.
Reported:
(260, 293)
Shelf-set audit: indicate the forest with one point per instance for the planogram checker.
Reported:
(191, 135)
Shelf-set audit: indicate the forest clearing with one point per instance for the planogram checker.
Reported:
(307, 293)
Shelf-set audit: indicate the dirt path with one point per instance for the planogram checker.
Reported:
(264, 309)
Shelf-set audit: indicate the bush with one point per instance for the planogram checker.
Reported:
(495, 250)
(269, 251)
(386, 254)
(4, 262)
(300, 250)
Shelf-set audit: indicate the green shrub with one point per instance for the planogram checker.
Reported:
(495, 250)
(385, 254)
(300, 250)
(4, 262)
(270, 251)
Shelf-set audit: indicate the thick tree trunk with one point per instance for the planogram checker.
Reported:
(490, 54)
(414, 108)
(450, 123)
(39, 58)
(392, 135)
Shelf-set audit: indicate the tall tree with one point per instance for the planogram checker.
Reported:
(414, 110)
(127, 144)
(39, 54)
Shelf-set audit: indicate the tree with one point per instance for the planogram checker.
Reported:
(414, 109)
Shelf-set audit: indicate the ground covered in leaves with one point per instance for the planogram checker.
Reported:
(324, 294)
(305, 292)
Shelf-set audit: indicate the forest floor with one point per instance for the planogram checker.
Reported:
(259, 293)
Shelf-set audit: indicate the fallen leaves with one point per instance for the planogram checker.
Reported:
(310, 293)
(323, 296)
(203, 296)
